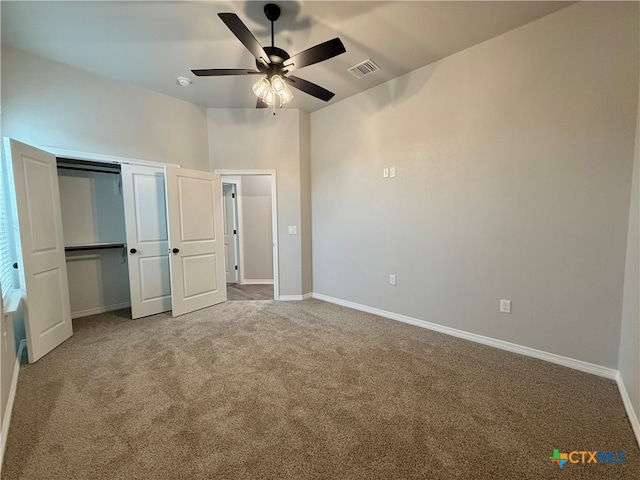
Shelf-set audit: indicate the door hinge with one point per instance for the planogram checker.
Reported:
(233, 195)
(235, 232)
(236, 267)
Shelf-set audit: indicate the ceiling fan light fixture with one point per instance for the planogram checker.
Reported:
(270, 91)
(278, 84)
(285, 95)
(269, 97)
(261, 87)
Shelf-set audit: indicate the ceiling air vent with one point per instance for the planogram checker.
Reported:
(363, 68)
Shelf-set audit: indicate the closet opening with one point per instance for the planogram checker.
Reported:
(93, 226)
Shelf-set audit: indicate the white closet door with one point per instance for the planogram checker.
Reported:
(143, 192)
(194, 207)
(42, 266)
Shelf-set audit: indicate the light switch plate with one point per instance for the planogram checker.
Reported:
(385, 172)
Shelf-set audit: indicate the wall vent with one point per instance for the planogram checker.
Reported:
(364, 68)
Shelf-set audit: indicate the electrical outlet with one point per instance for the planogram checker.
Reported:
(392, 279)
(505, 306)
(293, 230)
(392, 172)
(385, 172)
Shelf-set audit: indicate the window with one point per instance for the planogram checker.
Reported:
(7, 255)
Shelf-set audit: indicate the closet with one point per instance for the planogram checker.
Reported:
(95, 242)
(93, 236)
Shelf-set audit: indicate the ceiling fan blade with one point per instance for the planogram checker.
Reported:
(218, 72)
(261, 103)
(310, 88)
(241, 31)
(319, 53)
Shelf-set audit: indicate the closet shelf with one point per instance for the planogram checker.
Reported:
(93, 246)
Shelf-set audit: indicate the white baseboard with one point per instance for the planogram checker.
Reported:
(6, 418)
(492, 342)
(94, 311)
(258, 281)
(294, 298)
(633, 418)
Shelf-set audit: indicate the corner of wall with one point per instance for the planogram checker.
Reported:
(629, 350)
(305, 201)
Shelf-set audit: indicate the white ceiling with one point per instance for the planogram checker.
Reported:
(150, 43)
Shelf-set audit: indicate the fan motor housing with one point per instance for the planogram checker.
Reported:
(277, 57)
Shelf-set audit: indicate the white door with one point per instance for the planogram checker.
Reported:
(230, 232)
(41, 260)
(145, 214)
(194, 211)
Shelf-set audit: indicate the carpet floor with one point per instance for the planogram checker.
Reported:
(303, 390)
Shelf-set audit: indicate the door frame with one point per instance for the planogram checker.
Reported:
(99, 157)
(274, 219)
(238, 216)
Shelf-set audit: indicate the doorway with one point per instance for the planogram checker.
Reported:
(250, 203)
(231, 242)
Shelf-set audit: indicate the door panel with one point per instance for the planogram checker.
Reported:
(47, 288)
(196, 209)
(199, 274)
(43, 272)
(143, 192)
(194, 206)
(155, 280)
(41, 200)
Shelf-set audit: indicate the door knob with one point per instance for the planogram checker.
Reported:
(133, 250)
(175, 250)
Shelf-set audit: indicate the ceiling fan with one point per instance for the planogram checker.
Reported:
(275, 64)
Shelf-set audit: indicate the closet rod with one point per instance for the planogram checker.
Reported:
(97, 246)
(88, 169)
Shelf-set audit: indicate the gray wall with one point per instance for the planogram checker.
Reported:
(514, 162)
(45, 103)
(629, 360)
(250, 139)
(257, 236)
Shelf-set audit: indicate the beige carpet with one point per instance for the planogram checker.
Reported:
(302, 390)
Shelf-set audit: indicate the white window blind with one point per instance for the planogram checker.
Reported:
(7, 275)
